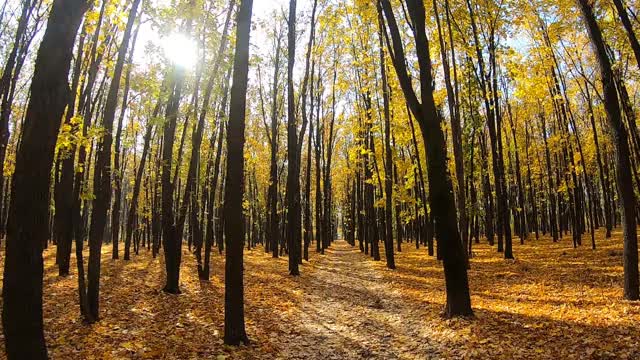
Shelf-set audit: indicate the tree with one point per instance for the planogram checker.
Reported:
(28, 216)
(623, 165)
(388, 170)
(272, 231)
(628, 27)
(170, 236)
(234, 231)
(119, 154)
(293, 161)
(102, 174)
(190, 198)
(440, 185)
(8, 82)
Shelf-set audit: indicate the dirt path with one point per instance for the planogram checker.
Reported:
(351, 311)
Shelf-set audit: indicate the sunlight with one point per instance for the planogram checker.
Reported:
(180, 50)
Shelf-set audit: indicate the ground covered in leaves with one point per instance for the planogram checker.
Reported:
(552, 302)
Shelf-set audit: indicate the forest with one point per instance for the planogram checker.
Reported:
(319, 179)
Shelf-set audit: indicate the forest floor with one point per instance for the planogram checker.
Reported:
(553, 302)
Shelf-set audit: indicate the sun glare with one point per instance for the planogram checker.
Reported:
(180, 50)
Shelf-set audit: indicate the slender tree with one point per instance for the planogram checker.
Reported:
(440, 185)
(623, 165)
(234, 231)
(118, 152)
(102, 174)
(293, 174)
(388, 162)
(172, 242)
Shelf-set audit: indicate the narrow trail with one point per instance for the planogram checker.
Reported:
(351, 310)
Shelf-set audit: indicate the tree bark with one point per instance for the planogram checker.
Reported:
(234, 328)
(28, 217)
(102, 174)
(440, 185)
(628, 27)
(118, 173)
(293, 173)
(172, 242)
(388, 168)
(620, 137)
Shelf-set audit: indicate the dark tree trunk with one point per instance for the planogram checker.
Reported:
(420, 195)
(118, 173)
(274, 233)
(213, 187)
(308, 224)
(234, 329)
(456, 130)
(64, 190)
(28, 216)
(133, 208)
(551, 188)
(522, 224)
(319, 194)
(172, 242)
(601, 173)
(624, 179)
(628, 27)
(388, 169)
(102, 175)
(533, 219)
(308, 76)
(190, 192)
(327, 237)
(293, 172)
(440, 185)
(398, 206)
(487, 193)
(85, 105)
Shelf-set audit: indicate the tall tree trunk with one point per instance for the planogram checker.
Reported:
(624, 179)
(456, 131)
(82, 167)
(388, 168)
(133, 208)
(213, 186)
(64, 191)
(603, 180)
(628, 27)
(27, 225)
(523, 233)
(319, 194)
(308, 76)
(118, 173)
(102, 174)
(234, 328)
(194, 163)
(327, 238)
(551, 187)
(308, 223)
(293, 173)
(172, 242)
(440, 185)
(274, 237)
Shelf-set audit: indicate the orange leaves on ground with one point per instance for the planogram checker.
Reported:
(551, 302)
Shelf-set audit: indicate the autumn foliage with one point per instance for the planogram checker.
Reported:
(319, 179)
